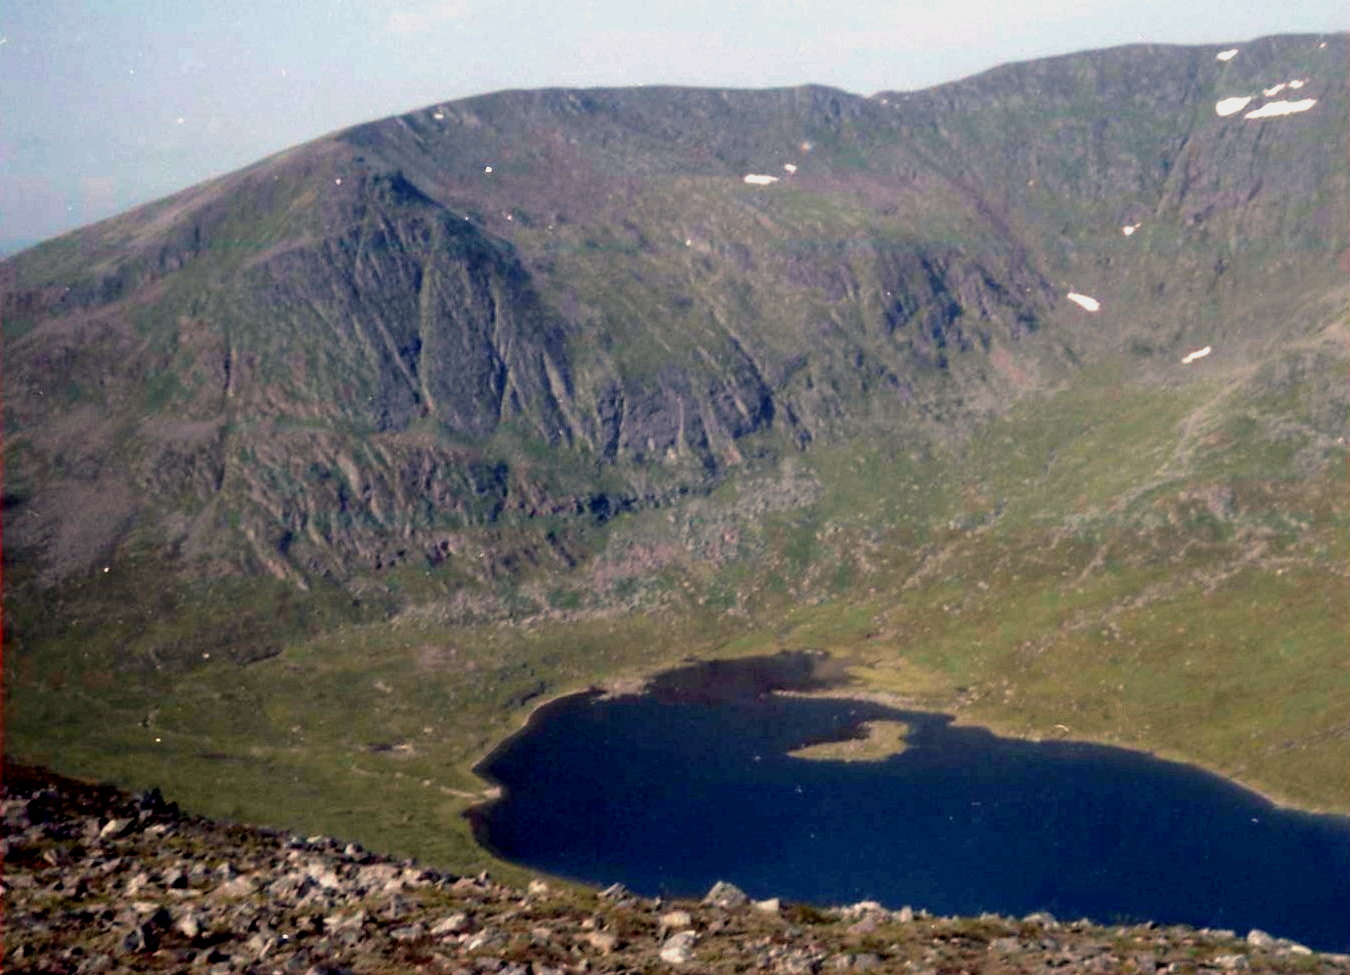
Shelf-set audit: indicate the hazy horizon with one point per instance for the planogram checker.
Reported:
(110, 104)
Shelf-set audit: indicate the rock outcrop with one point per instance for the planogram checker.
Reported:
(265, 368)
(97, 881)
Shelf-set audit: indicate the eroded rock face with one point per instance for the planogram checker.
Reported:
(161, 892)
(303, 368)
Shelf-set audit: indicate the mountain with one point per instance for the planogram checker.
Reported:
(1023, 394)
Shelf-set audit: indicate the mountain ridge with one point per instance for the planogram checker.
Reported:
(508, 375)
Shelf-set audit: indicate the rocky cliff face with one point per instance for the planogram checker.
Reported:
(331, 360)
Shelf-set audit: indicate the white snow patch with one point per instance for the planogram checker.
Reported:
(1322, 45)
(1273, 109)
(1274, 90)
(1298, 83)
(758, 179)
(1129, 230)
(807, 146)
(338, 181)
(1091, 304)
(1227, 55)
(1231, 106)
(487, 169)
(790, 167)
(1197, 354)
(438, 116)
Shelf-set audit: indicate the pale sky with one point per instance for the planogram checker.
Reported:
(108, 103)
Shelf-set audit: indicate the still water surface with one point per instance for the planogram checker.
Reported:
(691, 782)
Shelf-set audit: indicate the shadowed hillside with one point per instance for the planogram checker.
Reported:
(1025, 395)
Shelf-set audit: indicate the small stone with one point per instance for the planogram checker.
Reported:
(456, 923)
(323, 875)
(115, 829)
(1259, 939)
(725, 895)
(240, 886)
(905, 915)
(865, 925)
(771, 906)
(604, 941)
(537, 888)
(409, 932)
(143, 937)
(676, 920)
(379, 876)
(261, 944)
(189, 926)
(678, 948)
(215, 957)
(1232, 963)
(1294, 948)
(862, 908)
(862, 962)
(412, 877)
(345, 922)
(175, 879)
(797, 963)
(614, 892)
(484, 939)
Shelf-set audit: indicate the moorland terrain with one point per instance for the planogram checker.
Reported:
(1024, 395)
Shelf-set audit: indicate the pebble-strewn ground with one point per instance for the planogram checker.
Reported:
(97, 881)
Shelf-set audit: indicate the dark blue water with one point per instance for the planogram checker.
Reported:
(692, 782)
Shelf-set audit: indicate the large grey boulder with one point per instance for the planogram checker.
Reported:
(725, 895)
(678, 948)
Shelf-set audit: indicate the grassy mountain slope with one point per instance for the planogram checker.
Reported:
(319, 475)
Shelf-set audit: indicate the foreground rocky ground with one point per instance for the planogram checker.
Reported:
(98, 881)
